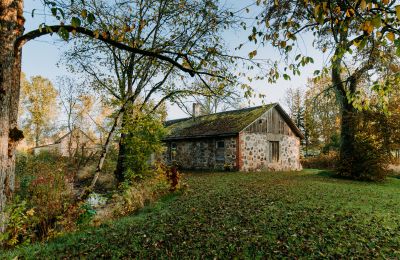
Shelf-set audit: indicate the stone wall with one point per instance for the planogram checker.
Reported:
(202, 154)
(255, 152)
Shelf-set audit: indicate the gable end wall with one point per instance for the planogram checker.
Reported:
(254, 144)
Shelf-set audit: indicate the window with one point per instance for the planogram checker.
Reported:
(172, 154)
(220, 152)
(220, 144)
(274, 151)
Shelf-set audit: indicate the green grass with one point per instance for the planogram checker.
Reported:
(248, 215)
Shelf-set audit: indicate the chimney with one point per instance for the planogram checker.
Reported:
(196, 110)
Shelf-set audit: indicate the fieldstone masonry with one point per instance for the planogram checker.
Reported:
(200, 154)
(255, 152)
(197, 144)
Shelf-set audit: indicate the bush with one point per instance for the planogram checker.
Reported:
(326, 161)
(370, 159)
(44, 184)
(20, 222)
(135, 195)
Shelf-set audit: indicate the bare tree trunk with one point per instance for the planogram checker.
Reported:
(103, 155)
(11, 27)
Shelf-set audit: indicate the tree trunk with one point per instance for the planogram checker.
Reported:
(348, 158)
(11, 27)
(122, 153)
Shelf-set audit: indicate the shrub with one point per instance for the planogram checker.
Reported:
(19, 224)
(326, 161)
(44, 182)
(369, 159)
(137, 195)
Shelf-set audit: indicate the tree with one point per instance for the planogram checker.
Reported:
(322, 113)
(361, 33)
(215, 98)
(12, 39)
(134, 79)
(300, 113)
(39, 100)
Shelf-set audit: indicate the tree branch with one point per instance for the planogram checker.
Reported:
(55, 28)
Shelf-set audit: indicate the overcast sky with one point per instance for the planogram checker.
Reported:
(40, 56)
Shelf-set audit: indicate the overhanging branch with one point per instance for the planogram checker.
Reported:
(55, 28)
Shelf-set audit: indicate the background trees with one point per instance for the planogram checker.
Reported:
(188, 29)
(39, 102)
(12, 38)
(359, 33)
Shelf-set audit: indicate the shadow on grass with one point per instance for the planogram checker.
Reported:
(328, 173)
(334, 175)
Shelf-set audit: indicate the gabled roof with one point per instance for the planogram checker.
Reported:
(70, 132)
(221, 124)
(64, 136)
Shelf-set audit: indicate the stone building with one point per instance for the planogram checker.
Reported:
(257, 138)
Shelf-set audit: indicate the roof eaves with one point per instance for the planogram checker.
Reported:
(199, 136)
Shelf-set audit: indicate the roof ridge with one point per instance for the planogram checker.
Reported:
(222, 112)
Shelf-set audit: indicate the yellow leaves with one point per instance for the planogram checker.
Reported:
(316, 11)
(324, 6)
(350, 12)
(337, 10)
(363, 5)
(186, 64)
(282, 44)
(357, 43)
(398, 11)
(84, 13)
(252, 54)
(30, 212)
(390, 36)
(96, 34)
(368, 27)
(385, 2)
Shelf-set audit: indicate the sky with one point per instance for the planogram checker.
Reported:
(41, 57)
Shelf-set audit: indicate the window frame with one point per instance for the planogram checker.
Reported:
(172, 151)
(220, 150)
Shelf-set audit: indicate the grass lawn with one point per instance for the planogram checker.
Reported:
(248, 215)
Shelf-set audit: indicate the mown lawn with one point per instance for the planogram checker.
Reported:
(249, 215)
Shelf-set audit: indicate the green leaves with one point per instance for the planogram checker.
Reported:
(75, 22)
(63, 33)
(90, 18)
